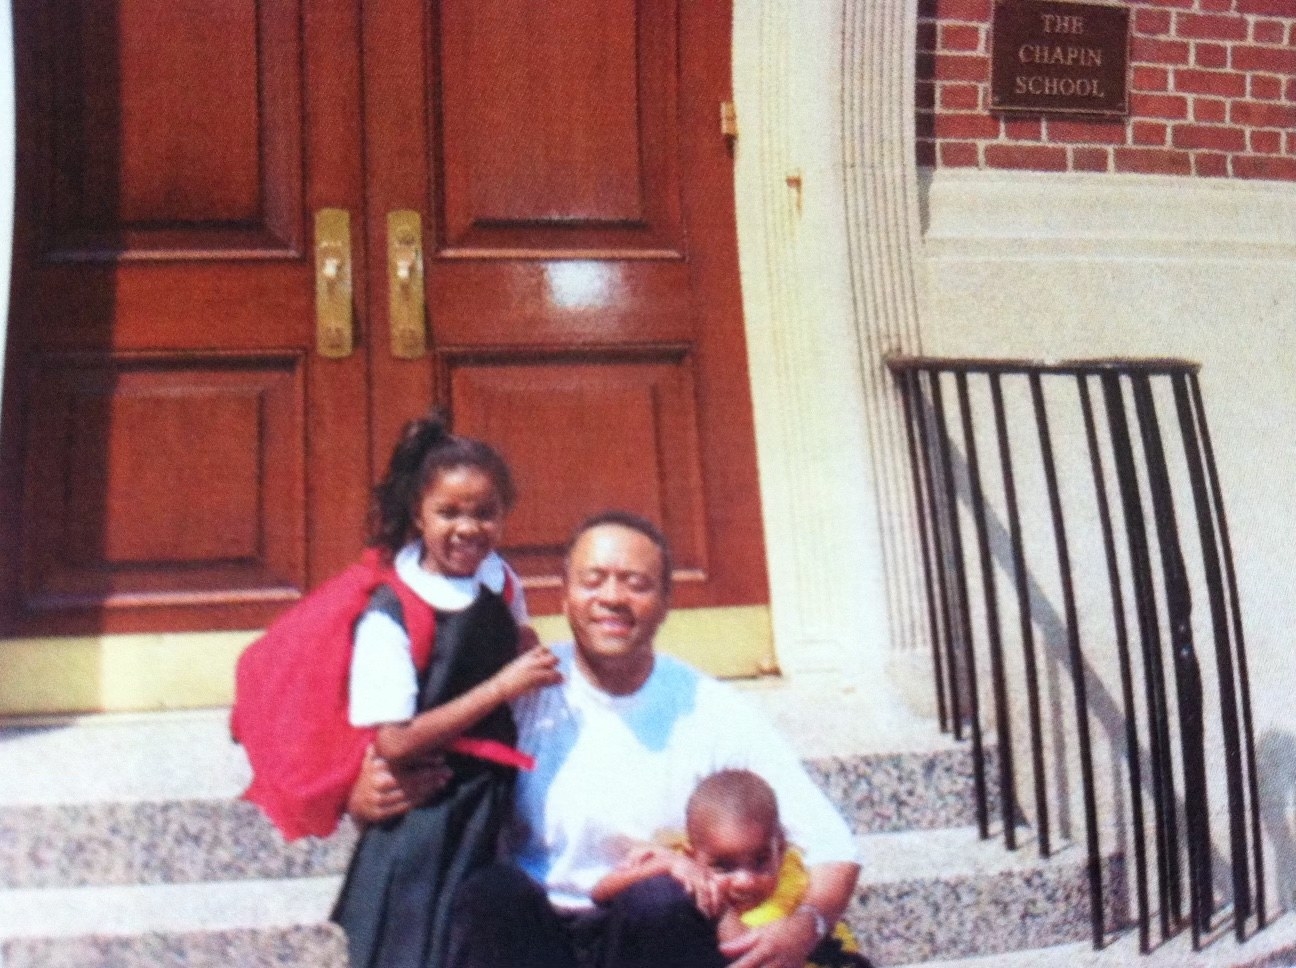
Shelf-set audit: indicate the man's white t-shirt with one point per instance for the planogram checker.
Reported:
(613, 771)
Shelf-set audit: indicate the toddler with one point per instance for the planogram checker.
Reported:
(737, 864)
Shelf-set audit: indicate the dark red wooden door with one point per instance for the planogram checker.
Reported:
(580, 264)
(177, 453)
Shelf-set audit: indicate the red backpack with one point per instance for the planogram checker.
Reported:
(291, 704)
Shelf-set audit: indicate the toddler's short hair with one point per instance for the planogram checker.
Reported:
(736, 794)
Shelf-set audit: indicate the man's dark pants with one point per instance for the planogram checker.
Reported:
(502, 919)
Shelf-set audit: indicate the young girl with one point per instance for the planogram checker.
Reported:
(736, 862)
(439, 512)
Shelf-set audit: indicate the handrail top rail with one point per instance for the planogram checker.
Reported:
(901, 363)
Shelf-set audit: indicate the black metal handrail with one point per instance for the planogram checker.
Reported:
(1122, 445)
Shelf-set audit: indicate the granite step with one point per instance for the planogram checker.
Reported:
(249, 923)
(1273, 946)
(927, 894)
(153, 800)
(923, 894)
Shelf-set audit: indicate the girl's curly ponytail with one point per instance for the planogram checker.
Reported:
(426, 447)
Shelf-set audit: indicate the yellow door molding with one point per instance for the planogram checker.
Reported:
(193, 670)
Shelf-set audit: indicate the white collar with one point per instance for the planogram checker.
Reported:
(583, 690)
(444, 592)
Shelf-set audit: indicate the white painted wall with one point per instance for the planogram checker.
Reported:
(1062, 266)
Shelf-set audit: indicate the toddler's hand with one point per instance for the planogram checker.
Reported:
(701, 883)
(533, 669)
(729, 925)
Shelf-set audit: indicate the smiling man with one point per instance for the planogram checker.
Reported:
(619, 746)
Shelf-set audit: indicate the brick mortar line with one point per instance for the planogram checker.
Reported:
(1197, 143)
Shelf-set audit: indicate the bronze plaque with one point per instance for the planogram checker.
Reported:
(1049, 57)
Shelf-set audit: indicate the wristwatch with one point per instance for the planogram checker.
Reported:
(817, 916)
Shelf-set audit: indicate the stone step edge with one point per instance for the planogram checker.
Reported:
(161, 840)
(888, 856)
(177, 842)
(949, 894)
(189, 756)
(1268, 948)
(132, 909)
(913, 774)
(888, 859)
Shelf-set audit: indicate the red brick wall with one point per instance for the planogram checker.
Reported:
(1212, 93)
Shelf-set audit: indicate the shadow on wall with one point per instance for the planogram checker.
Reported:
(1276, 763)
(1091, 517)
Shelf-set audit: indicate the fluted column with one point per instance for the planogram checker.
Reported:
(827, 222)
(881, 195)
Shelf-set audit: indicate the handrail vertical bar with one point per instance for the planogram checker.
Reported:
(908, 392)
(1187, 672)
(1241, 869)
(1153, 583)
(1003, 725)
(1167, 842)
(1077, 661)
(965, 614)
(1126, 673)
(1024, 617)
(1244, 676)
(941, 543)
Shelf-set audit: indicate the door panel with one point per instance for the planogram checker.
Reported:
(172, 450)
(550, 299)
(151, 150)
(582, 295)
(557, 126)
(647, 464)
(102, 439)
(167, 170)
(175, 453)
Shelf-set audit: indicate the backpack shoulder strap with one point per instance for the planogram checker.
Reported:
(385, 600)
(402, 605)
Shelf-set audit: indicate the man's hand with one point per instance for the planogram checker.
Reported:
(788, 943)
(780, 944)
(381, 793)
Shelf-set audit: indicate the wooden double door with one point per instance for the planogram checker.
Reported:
(255, 236)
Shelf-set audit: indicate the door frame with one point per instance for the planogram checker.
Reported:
(773, 42)
(8, 155)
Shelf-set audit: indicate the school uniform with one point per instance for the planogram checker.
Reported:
(395, 902)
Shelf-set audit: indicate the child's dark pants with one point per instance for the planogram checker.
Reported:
(501, 917)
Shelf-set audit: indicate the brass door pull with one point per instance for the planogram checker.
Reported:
(334, 332)
(405, 284)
